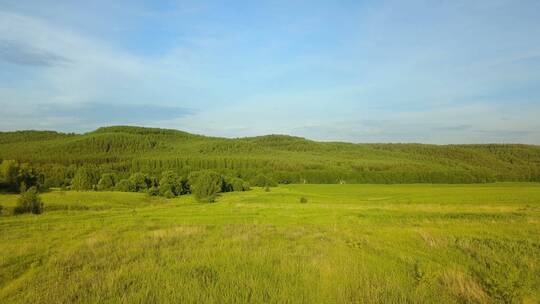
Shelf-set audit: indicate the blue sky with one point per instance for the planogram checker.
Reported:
(360, 71)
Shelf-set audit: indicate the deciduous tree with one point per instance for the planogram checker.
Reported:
(82, 181)
(205, 185)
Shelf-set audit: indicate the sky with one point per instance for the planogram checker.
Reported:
(432, 71)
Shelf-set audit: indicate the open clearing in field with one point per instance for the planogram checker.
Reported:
(348, 243)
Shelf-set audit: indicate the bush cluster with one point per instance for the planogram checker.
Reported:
(29, 202)
(15, 176)
(205, 184)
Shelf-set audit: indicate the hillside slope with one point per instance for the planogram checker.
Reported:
(287, 159)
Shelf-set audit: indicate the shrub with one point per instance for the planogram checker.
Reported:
(82, 180)
(22, 187)
(138, 182)
(171, 184)
(205, 185)
(168, 194)
(303, 200)
(29, 202)
(262, 180)
(153, 191)
(106, 182)
(267, 189)
(123, 185)
(226, 185)
(236, 184)
(9, 170)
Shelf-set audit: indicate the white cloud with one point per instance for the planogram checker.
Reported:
(386, 78)
(96, 71)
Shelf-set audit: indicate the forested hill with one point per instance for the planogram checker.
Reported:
(123, 150)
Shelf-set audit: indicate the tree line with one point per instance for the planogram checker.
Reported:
(124, 151)
(204, 184)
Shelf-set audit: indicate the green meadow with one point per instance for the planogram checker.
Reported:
(346, 244)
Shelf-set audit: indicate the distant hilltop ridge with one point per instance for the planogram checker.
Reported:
(42, 134)
(39, 134)
(287, 159)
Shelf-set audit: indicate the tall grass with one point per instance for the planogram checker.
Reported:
(349, 244)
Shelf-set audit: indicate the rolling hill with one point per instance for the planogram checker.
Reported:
(287, 159)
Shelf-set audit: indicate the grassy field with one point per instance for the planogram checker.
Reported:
(347, 244)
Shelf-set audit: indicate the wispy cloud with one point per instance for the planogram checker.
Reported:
(358, 71)
(17, 53)
(454, 128)
(88, 116)
(114, 113)
(471, 124)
